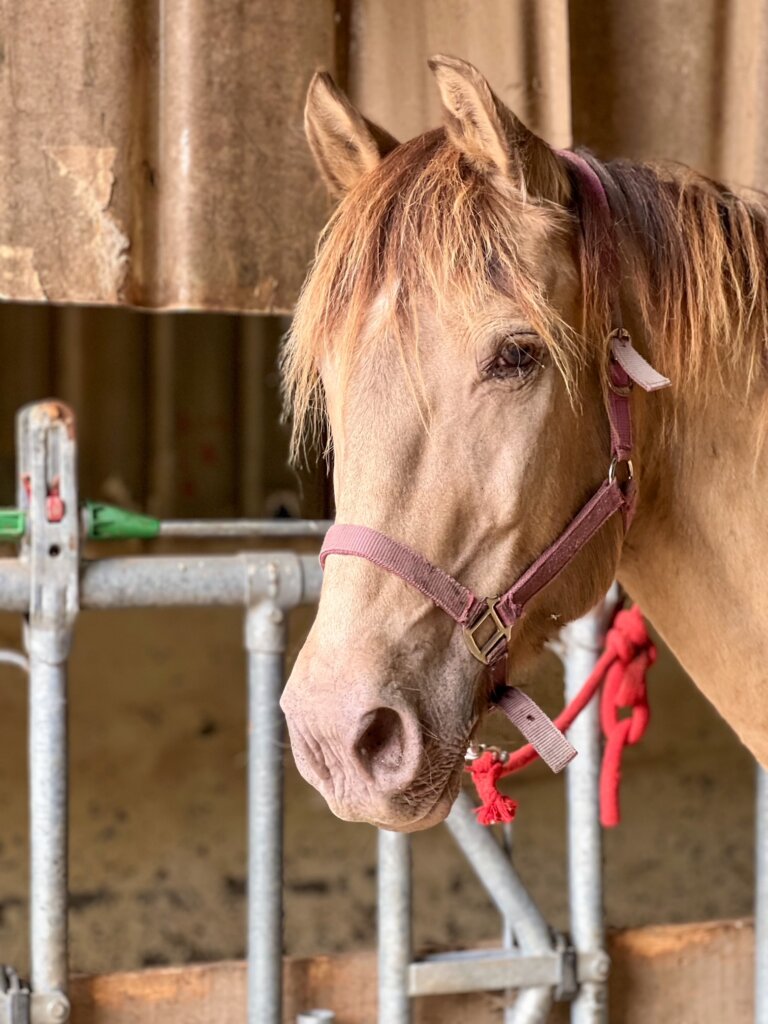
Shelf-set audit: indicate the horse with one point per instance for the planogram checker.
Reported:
(452, 344)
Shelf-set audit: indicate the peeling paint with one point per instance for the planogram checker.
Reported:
(194, 216)
(104, 245)
(19, 279)
(90, 168)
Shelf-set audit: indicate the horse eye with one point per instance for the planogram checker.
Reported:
(514, 360)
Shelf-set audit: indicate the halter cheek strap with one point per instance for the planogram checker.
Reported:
(487, 622)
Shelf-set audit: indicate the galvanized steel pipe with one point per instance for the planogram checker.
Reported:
(582, 646)
(265, 639)
(163, 580)
(394, 905)
(498, 877)
(220, 528)
(48, 822)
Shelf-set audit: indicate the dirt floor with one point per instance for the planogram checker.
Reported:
(158, 812)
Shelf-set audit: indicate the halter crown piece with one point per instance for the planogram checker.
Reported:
(487, 622)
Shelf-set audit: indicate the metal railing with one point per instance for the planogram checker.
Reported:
(49, 582)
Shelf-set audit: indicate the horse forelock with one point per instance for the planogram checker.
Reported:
(426, 226)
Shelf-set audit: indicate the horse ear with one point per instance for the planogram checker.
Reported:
(491, 137)
(344, 144)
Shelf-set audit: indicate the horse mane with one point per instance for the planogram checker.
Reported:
(694, 258)
(425, 224)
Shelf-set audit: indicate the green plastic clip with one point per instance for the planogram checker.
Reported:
(13, 524)
(107, 522)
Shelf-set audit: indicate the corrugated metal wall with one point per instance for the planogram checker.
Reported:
(683, 80)
(151, 152)
(152, 155)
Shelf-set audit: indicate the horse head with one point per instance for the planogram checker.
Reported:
(441, 340)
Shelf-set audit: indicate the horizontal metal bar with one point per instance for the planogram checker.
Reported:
(14, 658)
(162, 580)
(490, 970)
(244, 527)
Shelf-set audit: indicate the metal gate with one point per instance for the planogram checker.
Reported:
(49, 582)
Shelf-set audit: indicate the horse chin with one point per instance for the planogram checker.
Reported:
(437, 813)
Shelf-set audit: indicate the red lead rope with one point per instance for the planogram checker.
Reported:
(621, 669)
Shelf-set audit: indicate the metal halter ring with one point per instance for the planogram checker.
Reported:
(476, 750)
(615, 463)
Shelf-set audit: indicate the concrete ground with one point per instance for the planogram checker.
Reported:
(158, 812)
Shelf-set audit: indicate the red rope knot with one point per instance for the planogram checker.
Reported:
(624, 708)
(624, 716)
(496, 808)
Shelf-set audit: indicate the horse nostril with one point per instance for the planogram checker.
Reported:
(381, 745)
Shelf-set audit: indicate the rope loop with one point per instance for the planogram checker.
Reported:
(625, 714)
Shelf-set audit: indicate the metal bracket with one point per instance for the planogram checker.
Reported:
(562, 969)
(47, 494)
(14, 998)
(567, 985)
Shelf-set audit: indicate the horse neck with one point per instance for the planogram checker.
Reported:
(695, 558)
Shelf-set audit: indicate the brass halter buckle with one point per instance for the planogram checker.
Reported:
(485, 649)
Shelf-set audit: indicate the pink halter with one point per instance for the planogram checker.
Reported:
(487, 622)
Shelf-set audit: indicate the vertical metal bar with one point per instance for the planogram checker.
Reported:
(394, 901)
(761, 899)
(265, 639)
(582, 645)
(48, 815)
(47, 491)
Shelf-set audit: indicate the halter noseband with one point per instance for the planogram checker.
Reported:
(487, 622)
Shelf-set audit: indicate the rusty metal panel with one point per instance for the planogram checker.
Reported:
(152, 153)
(632, 83)
(645, 89)
(521, 46)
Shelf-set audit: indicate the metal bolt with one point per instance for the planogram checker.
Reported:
(57, 1009)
